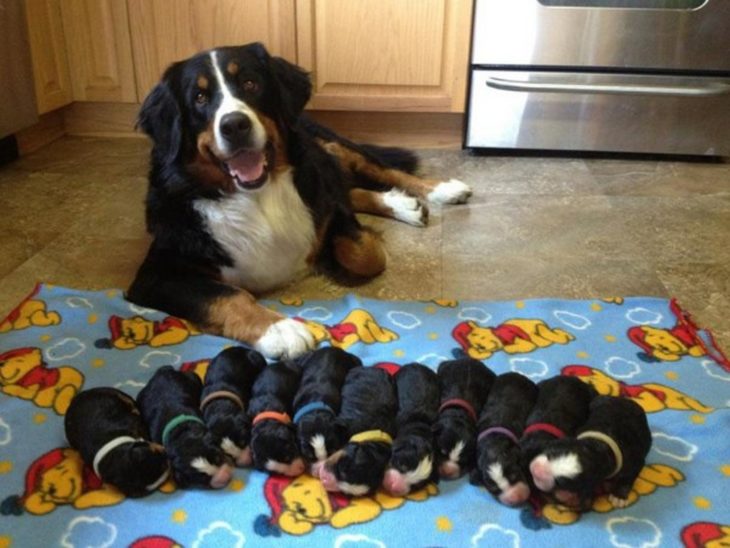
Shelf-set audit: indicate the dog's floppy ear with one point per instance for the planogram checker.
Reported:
(160, 118)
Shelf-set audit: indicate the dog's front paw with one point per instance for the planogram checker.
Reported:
(285, 339)
(406, 208)
(452, 191)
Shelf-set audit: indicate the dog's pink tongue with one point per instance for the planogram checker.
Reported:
(247, 166)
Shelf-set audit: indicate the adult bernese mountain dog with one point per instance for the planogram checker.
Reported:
(245, 194)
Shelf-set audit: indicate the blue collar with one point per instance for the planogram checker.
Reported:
(313, 406)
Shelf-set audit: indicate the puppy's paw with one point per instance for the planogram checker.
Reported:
(452, 191)
(406, 208)
(285, 339)
(618, 502)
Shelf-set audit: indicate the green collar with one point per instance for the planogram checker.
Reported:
(175, 422)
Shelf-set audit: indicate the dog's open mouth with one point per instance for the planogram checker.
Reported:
(249, 169)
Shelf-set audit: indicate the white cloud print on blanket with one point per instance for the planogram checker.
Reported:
(217, 534)
(629, 532)
(88, 532)
(491, 534)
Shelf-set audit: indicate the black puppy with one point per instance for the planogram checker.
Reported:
(106, 428)
(226, 392)
(169, 405)
(367, 418)
(500, 426)
(561, 408)
(273, 436)
(610, 446)
(317, 402)
(412, 461)
(465, 384)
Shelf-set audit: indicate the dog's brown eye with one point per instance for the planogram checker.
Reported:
(250, 85)
(201, 98)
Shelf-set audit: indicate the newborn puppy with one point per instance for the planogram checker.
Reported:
(465, 384)
(412, 460)
(169, 405)
(226, 391)
(105, 427)
(367, 420)
(561, 408)
(318, 399)
(273, 436)
(500, 426)
(611, 446)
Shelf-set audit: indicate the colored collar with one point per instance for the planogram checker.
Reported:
(159, 481)
(498, 430)
(372, 435)
(617, 454)
(221, 394)
(273, 415)
(313, 406)
(457, 402)
(544, 427)
(175, 422)
(108, 447)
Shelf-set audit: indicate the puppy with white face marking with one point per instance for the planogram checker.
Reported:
(561, 408)
(226, 392)
(273, 436)
(412, 463)
(367, 418)
(499, 467)
(317, 402)
(610, 447)
(105, 426)
(169, 404)
(465, 385)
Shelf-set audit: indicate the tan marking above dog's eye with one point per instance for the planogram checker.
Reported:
(232, 68)
(250, 85)
(202, 82)
(201, 98)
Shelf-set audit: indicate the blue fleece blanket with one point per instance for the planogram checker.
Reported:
(60, 340)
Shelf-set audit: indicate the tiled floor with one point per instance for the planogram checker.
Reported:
(72, 214)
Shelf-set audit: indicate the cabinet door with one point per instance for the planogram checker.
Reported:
(100, 50)
(408, 55)
(48, 53)
(164, 31)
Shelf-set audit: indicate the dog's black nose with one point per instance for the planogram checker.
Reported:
(235, 127)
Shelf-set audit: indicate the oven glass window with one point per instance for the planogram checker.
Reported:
(643, 4)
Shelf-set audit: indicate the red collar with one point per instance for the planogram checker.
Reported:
(457, 402)
(544, 427)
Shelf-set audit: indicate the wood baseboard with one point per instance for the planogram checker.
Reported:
(50, 127)
(90, 119)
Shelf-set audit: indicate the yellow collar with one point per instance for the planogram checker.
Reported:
(372, 435)
(617, 455)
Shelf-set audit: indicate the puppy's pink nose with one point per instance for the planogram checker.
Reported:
(244, 458)
(515, 495)
(449, 470)
(315, 469)
(328, 479)
(221, 477)
(395, 483)
(542, 475)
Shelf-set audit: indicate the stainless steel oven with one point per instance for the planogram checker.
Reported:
(649, 76)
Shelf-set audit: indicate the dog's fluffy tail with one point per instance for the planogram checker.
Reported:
(395, 157)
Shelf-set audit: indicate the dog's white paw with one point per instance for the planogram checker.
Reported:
(617, 502)
(406, 208)
(285, 339)
(452, 191)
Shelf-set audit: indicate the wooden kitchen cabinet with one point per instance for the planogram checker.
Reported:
(99, 50)
(164, 31)
(390, 55)
(48, 54)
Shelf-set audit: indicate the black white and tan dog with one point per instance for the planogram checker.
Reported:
(367, 418)
(317, 402)
(169, 404)
(464, 385)
(274, 444)
(105, 426)
(412, 462)
(225, 396)
(610, 447)
(561, 408)
(501, 423)
(246, 194)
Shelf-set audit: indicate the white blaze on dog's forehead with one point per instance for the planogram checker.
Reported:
(420, 473)
(319, 446)
(565, 466)
(352, 489)
(455, 453)
(201, 464)
(230, 103)
(496, 473)
(230, 448)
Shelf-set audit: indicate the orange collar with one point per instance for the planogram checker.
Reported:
(272, 415)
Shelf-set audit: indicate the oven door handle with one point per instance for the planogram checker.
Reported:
(715, 88)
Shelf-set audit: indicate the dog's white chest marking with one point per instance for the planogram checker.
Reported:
(268, 234)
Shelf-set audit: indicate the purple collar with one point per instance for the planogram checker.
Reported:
(498, 430)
